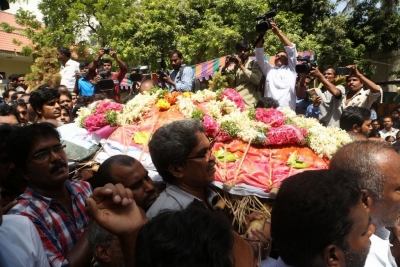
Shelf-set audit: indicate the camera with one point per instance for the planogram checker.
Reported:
(106, 50)
(232, 58)
(162, 73)
(263, 22)
(105, 84)
(83, 74)
(136, 73)
(307, 64)
(342, 71)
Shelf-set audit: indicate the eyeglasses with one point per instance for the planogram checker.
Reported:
(207, 155)
(45, 154)
(256, 246)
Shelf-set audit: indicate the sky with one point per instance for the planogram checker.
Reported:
(31, 5)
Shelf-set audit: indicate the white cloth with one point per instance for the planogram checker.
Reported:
(280, 81)
(67, 73)
(268, 262)
(20, 244)
(385, 133)
(363, 98)
(379, 253)
(331, 106)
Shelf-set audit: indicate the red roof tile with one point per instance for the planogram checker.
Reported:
(6, 41)
(9, 19)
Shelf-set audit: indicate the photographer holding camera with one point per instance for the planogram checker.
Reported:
(84, 84)
(247, 73)
(181, 78)
(331, 96)
(117, 77)
(281, 78)
(357, 96)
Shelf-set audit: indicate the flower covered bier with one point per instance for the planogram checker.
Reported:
(212, 127)
(163, 104)
(286, 135)
(95, 121)
(235, 97)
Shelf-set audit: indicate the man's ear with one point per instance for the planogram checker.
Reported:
(356, 128)
(367, 199)
(102, 253)
(24, 173)
(176, 170)
(39, 111)
(331, 255)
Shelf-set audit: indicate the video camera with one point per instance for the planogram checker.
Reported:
(263, 22)
(307, 64)
(162, 73)
(232, 58)
(139, 71)
(106, 50)
(105, 84)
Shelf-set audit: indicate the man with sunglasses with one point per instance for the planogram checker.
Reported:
(54, 204)
(280, 78)
(181, 153)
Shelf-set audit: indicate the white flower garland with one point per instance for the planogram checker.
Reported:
(136, 107)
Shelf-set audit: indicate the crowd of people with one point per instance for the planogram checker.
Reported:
(346, 215)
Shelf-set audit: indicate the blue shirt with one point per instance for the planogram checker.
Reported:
(85, 87)
(313, 112)
(184, 82)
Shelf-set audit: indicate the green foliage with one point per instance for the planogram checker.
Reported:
(6, 27)
(230, 128)
(111, 117)
(218, 82)
(197, 114)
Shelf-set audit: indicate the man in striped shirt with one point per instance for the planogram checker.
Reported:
(55, 204)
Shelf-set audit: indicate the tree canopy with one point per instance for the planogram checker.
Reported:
(142, 31)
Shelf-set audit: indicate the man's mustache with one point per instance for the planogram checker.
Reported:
(57, 166)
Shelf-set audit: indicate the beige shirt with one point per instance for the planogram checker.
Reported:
(246, 83)
(363, 98)
(331, 106)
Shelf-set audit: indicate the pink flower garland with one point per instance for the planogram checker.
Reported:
(107, 106)
(235, 97)
(285, 135)
(212, 127)
(94, 122)
(270, 116)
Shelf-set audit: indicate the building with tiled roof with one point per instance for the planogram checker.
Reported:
(11, 60)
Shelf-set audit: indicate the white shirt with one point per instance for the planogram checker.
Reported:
(385, 133)
(276, 263)
(20, 244)
(379, 253)
(280, 81)
(331, 106)
(67, 73)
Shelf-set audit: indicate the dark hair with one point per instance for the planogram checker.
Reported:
(98, 235)
(99, 96)
(376, 120)
(13, 77)
(40, 96)
(172, 143)
(83, 65)
(6, 110)
(21, 139)
(387, 117)
(387, 137)
(21, 75)
(44, 86)
(313, 207)
(7, 92)
(194, 236)
(106, 60)
(64, 51)
(68, 110)
(374, 133)
(243, 45)
(15, 95)
(359, 159)
(354, 115)
(177, 52)
(104, 172)
(329, 67)
(67, 93)
(267, 102)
